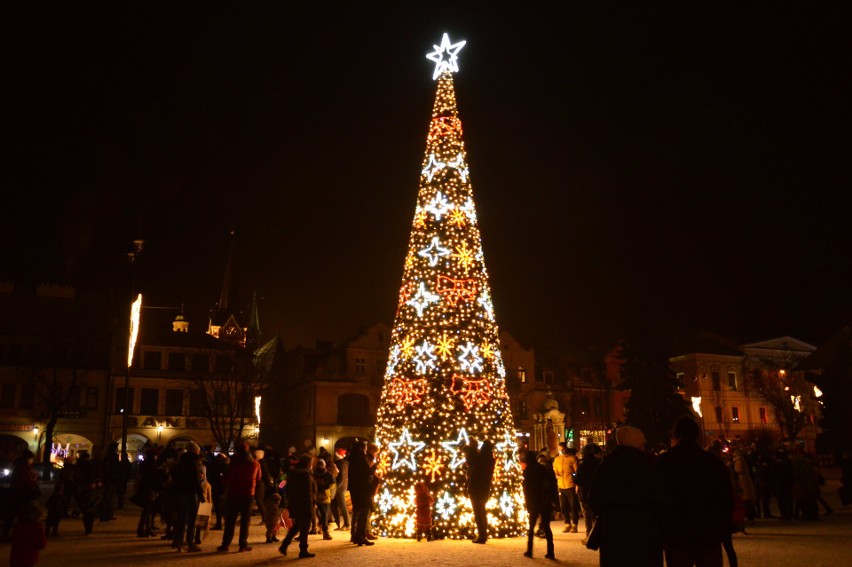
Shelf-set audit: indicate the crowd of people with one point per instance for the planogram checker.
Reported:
(637, 507)
(681, 505)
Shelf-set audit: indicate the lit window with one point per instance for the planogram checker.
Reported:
(732, 381)
(522, 375)
(735, 414)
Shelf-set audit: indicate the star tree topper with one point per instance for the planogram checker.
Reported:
(445, 56)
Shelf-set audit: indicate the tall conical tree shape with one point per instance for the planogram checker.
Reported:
(445, 380)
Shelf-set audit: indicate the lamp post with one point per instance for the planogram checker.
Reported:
(135, 308)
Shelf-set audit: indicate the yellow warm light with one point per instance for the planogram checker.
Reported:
(135, 310)
(445, 379)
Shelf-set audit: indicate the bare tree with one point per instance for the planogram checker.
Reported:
(55, 375)
(228, 396)
(786, 391)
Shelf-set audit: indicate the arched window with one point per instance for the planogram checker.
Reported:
(353, 409)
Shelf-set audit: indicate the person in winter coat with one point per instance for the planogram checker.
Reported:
(301, 500)
(565, 467)
(583, 479)
(242, 479)
(150, 481)
(111, 479)
(186, 481)
(628, 498)
(745, 483)
(29, 537)
(216, 476)
(338, 504)
(325, 486)
(481, 473)
(701, 497)
(540, 493)
(361, 490)
(89, 491)
(423, 501)
(783, 478)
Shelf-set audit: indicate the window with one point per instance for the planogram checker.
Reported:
(680, 379)
(735, 414)
(522, 409)
(7, 396)
(353, 409)
(732, 381)
(200, 363)
(360, 366)
(149, 402)
(197, 402)
(177, 361)
(717, 381)
(584, 406)
(27, 396)
(152, 360)
(762, 412)
(92, 395)
(718, 414)
(547, 377)
(174, 402)
(598, 407)
(522, 375)
(223, 363)
(119, 400)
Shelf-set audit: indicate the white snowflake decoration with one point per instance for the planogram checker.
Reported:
(434, 251)
(446, 506)
(385, 501)
(445, 56)
(439, 206)
(422, 299)
(424, 359)
(506, 504)
(393, 360)
(469, 359)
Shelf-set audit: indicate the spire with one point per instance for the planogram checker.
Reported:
(226, 281)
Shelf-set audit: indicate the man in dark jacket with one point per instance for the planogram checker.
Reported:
(701, 497)
(186, 482)
(481, 472)
(585, 473)
(361, 490)
(540, 493)
(301, 499)
(629, 500)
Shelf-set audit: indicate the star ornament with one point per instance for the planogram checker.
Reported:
(404, 451)
(445, 56)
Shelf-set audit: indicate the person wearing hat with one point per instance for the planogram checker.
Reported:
(630, 502)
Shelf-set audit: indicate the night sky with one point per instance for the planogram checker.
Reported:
(691, 157)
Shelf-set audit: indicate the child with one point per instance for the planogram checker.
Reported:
(57, 505)
(29, 537)
(271, 516)
(423, 500)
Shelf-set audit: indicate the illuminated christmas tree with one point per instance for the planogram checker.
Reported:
(445, 381)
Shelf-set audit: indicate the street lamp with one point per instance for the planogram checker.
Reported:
(135, 308)
(159, 432)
